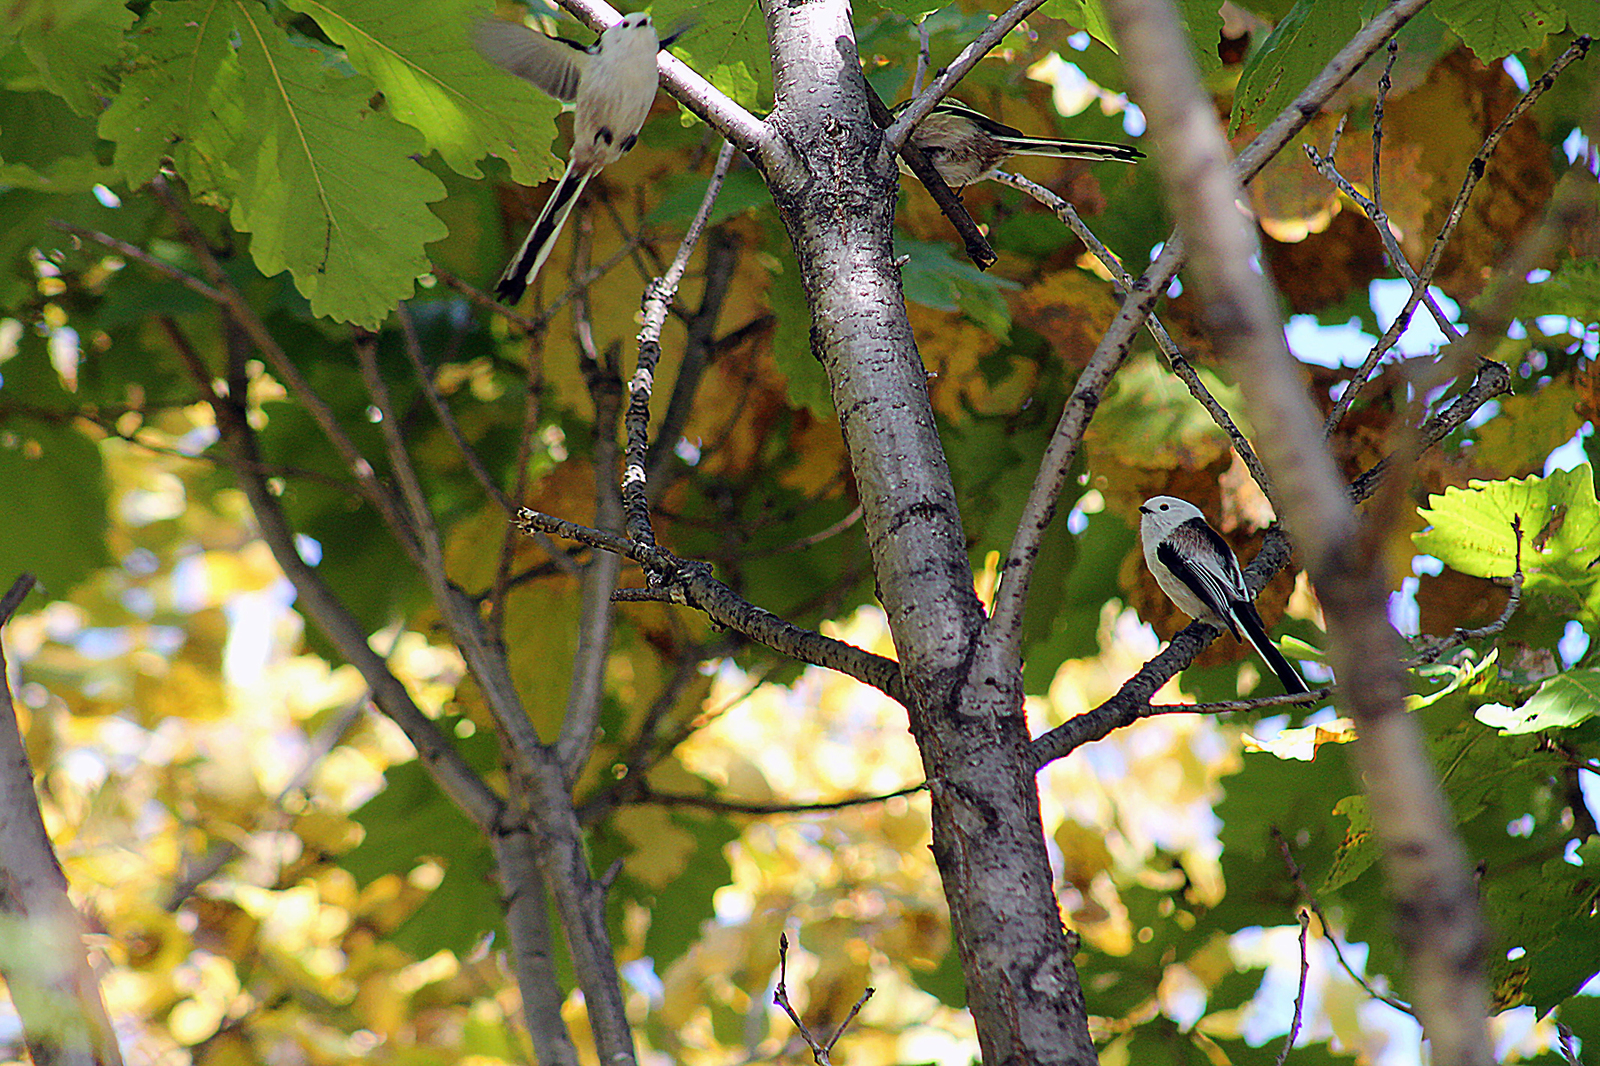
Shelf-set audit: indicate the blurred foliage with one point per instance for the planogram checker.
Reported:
(275, 877)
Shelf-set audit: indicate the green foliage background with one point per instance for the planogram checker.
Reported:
(333, 155)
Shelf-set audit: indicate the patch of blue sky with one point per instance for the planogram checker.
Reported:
(1404, 614)
(1576, 146)
(1422, 335)
(1330, 346)
(1574, 643)
(1518, 73)
(1571, 455)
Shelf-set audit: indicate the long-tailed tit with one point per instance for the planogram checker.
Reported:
(1198, 571)
(612, 84)
(965, 146)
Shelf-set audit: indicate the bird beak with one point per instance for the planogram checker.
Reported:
(1145, 510)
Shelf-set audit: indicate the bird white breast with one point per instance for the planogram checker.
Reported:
(615, 94)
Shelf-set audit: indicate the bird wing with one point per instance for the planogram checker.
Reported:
(1202, 560)
(993, 127)
(551, 63)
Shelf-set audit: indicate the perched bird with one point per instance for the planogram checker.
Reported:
(1198, 571)
(965, 146)
(611, 84)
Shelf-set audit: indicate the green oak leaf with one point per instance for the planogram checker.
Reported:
(327, 186)
(1471, 528)
(72, 55)
(1493, 29)
(432, 80)
(1295, 52)
(166, 98)
(1563, 701)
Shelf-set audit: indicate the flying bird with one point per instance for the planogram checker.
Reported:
(611, 83)
(1198, 571)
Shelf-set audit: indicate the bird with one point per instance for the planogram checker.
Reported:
(1198, 571)
(966, 146)
(612, 85)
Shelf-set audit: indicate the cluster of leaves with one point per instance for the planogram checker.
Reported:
(332, 151)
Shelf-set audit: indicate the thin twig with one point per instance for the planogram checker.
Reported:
(441, 410)
(711, 803)
(700, 346)
(1169, 348)
(946, 77)
(1310, 901)
(15, 595)
(580, 723)
(1565, 1044)
(1493, 379)
(924, 55)
(1115, 713)
(658, 296)
(1300, 993)
(1325, 166)
(691, 584)
(244, 316)
(139, 255)
(1435, 647)
(1476, 167)
(819, 1049)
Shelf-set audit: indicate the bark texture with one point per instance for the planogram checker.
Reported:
(835, 189)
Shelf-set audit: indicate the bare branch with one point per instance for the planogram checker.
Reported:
(691, 584)
(139, 255)
(1439, 924)
(1300, 993)
(441, 410)
(1434, 648)
(1476, 167)
(1310, 900)
(646, 794)
(658, 296)
(819, 1049)
(233, 303)
(1003, 634)
(455, 778)
(1169, 348)
(580, 723)
(1493, 379)
(977, 245)
(43, 962)
(946, 77)
(15, 595)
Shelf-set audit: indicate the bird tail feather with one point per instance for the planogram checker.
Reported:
(1250, 622)
(1121, 153)
(524, 266)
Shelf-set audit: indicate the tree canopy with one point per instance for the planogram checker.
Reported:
(263, 440)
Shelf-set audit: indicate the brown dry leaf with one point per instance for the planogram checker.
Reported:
(954, 349)
(1326, 266)
(1446, 118)
(1450, 599)
(1071, 309)
(824, 471)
